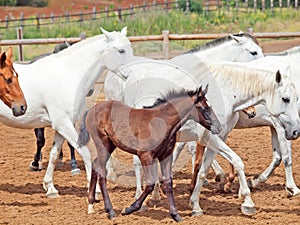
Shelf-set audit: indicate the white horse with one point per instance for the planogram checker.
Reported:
(281, 147)
(55, 88)
(238, 47)
(232, 88)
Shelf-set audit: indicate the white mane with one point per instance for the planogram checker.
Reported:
(245, 80)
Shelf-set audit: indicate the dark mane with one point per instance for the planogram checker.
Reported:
(219, 41)
(172, 94)
(290, 51)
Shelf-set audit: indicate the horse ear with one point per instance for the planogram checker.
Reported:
(107, 34)
(278, 76)
(288, 71)
(236, 38)
(2, 59)
(9, 54)
(205, 90)
(124, 31)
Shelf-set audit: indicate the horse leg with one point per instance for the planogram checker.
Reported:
(166, 170)
(138, 176)
(91, 195)
(75, 170)
(198, 161)
(177, 150)
(216, 145)
(37, 164)
(282, 150)
(148, 168)
(228, 185)
(48, 179)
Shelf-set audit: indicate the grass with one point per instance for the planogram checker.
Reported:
(151, 23)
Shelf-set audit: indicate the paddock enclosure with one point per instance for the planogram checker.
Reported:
(23, 200)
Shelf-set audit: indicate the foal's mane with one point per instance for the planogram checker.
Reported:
(290, 51)
(171, 94)
(245, 80)
(220, 41)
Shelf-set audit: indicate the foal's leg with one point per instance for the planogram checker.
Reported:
(166, 170)
(37, 163)
(199, 156)
(91, 195)
(148, 168)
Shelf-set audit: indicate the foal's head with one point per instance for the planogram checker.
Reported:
(10, 91)
(205, 115)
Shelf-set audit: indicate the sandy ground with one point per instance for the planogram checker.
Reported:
(23, 201)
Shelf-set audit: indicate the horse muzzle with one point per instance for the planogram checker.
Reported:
(18, 109)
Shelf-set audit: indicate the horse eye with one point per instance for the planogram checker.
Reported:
(285, 100)
(253, 53)
(8, 81)
(121, 51)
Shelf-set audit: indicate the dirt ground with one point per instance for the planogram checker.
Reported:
(23, 200)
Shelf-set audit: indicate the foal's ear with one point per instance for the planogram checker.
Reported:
(2, 59)
(278, 76)
(205, 90)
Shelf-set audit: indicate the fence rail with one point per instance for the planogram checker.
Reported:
(165, 37)
(119, 12)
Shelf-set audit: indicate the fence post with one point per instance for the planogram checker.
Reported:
(80, 16)
(255, 5)
(22, 19)
(187, 5)
(131, 9)
(144, 6)
(94, 13)
(263, 6)
(296, 4)
(154, 5)
(272, 5)
(37, 21)
(167, 6)
(166, 42)
(52, 18)
(280, 4)
(107, 11)
(20, 36)
(120, 13)
(288, 3)
(67, 17)
(6, 22)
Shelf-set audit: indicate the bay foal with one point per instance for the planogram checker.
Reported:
(149, 133)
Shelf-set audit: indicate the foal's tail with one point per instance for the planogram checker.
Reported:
(84, 135)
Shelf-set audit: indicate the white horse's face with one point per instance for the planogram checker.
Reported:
(284, 106)
(119, 51)
(248, 50)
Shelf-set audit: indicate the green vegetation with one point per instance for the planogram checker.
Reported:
(176, 21)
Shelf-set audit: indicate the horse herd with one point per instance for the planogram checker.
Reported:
(154, 107)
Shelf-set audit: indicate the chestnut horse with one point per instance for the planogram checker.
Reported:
(153, 137)
(10, 91)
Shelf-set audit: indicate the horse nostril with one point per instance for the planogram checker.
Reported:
(295, 133)
(23, 108)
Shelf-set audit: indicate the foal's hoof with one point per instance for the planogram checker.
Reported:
(75, 171)
(111, 214)
(126, 211)
(249, 211)
(176, 217)
(91, 209)
(197, 213)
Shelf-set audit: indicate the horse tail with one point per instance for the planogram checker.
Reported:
(84, 135)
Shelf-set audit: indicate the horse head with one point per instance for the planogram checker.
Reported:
(284, 105)
(247, 49)
(118, 51)
(205, 113)
(10, 91)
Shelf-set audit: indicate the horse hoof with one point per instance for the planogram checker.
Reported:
(34, 168)
(75, 171)
(143, 208)
(249, 211)
(199, 213)
(52, 195)
(126, 211)
(91, 209)
(176, 217)
(205, 183)
(111, 214)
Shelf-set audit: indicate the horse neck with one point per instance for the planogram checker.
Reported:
(245, 87)
(225, 51)
(178, 111)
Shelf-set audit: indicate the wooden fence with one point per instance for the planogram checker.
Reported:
(120, 13)
(165, 37)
